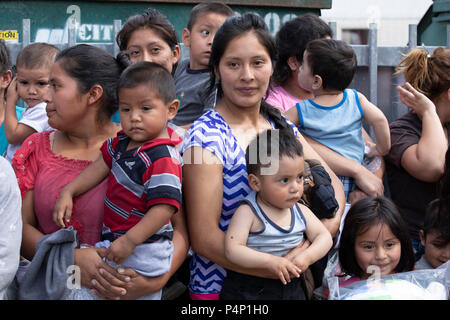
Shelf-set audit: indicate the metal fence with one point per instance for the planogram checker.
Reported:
(374, 76)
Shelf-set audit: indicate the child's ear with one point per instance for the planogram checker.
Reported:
(186, 37)
(317, 82)
(173, 109)
(95, 94)
(422, 237)
(293, 63)
(5, 79)
(254, 182)
(176, 53)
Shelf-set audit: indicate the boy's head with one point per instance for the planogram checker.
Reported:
(5, 66)
(327, 64)
(275, 167)
(291, 41)
(147, 100)
(204, 20)
(33, 66)
(435, 235)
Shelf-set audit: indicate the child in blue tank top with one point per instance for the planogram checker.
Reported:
(334, 116)
(270, 222)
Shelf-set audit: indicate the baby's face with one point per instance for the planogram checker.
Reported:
(143, 114)
(285, 187)
(32, 84)
(437, 250)
(305, 77)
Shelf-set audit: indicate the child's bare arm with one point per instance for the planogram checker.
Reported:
(15, 132)
(155, 218)
(376, 118)
(86, 180)
(237, 252)
(320, 237)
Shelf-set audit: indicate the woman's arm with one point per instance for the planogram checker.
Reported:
(30, 234)
(424, 160)
(292, 115)
(331, 224)
(364, 179)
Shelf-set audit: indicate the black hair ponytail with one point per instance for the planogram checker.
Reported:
(273, 114)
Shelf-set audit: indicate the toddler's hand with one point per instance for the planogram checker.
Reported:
(120, 249)
(63, 209)
(415, 100)
(284, 269)
(373, 151)
(11, 93)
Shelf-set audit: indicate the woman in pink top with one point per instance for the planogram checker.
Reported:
(80, 103)
(291, 41)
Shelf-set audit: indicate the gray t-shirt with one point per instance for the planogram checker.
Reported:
(10, 225)
(192, 91)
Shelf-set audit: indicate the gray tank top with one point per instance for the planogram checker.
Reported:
(272, 238)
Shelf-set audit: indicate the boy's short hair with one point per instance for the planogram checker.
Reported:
(152, 75)
(208, 7)
(261, 149)
(5, 62)
(37, 55)
(334, 61)
(437, 218)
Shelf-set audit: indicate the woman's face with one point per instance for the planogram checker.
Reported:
(244, 71)
(65, 104)
(146, 45)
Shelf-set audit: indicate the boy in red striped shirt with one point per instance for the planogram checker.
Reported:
(145, 174)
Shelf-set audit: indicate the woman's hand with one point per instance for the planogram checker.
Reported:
(415, 100)
(136, 286)
(95, 273)
(368, 182)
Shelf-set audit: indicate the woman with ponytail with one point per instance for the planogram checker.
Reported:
(419, 139)
(215, 174)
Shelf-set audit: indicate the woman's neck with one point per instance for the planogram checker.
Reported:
(84, 142)
(235, 115)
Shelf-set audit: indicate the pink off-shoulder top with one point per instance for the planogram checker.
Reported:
(38, 168)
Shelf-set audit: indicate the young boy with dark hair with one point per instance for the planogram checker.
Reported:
(31, 85)
(270, 222)
(192, 76)
(435, 235)
(145, 173)
(334, 116)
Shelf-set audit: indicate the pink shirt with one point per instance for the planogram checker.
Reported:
(281, 99)
(38, 168)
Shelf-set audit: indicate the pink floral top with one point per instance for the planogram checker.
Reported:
(38, 168)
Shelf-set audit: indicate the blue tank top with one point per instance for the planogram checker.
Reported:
(338, 127)
(272, 238)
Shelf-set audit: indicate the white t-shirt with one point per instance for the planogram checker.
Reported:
(10, 226)
(36, 118)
